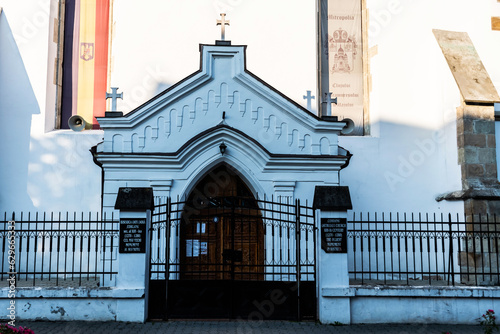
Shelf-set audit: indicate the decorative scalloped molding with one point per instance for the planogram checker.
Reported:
(222, 100)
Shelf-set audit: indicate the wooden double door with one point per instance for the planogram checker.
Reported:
(222, 237)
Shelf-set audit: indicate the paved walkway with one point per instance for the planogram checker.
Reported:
(228, 327)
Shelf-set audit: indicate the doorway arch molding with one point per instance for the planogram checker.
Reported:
(201, 155)
(241, 170)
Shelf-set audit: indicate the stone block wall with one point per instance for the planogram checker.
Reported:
(476, 146)
(477, 157)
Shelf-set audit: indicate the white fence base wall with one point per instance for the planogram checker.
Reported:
(333, 310)
(67, 304)
(436, 305)
(353, 305)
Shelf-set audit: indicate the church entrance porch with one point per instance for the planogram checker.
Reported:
(232, 255)
(222, 236)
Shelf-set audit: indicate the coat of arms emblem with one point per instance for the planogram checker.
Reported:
(87, 51)
(344, 49)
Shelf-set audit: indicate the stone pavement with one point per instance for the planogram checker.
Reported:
(238, 327)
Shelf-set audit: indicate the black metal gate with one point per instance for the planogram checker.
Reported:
(233, 257)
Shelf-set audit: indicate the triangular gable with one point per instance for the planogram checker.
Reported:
(222, 88)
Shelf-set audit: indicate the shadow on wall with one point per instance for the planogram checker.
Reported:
(151, 85)
(17, 105)
(62, 174)
(404, 169)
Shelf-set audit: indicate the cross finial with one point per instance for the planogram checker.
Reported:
(114, 96)
(309, 98)
(222, 23)
(328, 100)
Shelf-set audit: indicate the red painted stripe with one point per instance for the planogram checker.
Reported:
(101, 59)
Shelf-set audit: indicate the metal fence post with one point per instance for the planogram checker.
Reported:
(451, 267)
(297, 253)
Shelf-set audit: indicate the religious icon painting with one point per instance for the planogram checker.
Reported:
(344, 48)
(345, 63)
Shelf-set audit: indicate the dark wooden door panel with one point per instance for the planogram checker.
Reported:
(218, 244)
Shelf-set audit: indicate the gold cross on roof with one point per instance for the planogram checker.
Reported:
(222, 22)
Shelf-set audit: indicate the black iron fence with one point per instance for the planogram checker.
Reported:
(410, 249)
(286, 228)
(58, 249)
(424, 249)
(220, 257)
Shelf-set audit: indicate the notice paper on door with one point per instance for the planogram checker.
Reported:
(204, 248)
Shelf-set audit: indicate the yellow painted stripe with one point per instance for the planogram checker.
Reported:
(85, 101)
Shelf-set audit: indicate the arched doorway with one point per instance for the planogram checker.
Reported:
(223, 253)
(221, 234)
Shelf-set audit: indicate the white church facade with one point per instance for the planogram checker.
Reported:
(278, 147)
(336, 166)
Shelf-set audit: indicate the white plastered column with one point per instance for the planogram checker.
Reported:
(284, 190)
(333, 274)
(161, 190)
(135, 205)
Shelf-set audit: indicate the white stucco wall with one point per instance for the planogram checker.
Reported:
(411, 155)
(165, 39)
(413, 96)
(40, 169)
(69, 304)
(401, 166)
(424, 305)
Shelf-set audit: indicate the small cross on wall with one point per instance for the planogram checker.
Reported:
(114, 96)
(328, 100)
(222, 23)
(309, 99)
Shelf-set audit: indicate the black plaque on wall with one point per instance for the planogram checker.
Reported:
(132, 236)
(334, 235)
